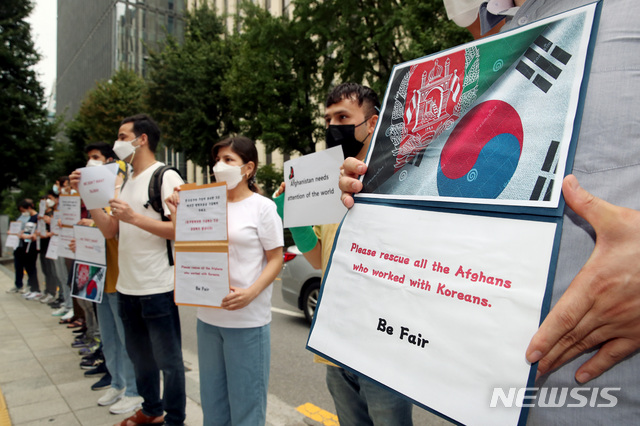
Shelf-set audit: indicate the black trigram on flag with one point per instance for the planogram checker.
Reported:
(542, 68)
(549, 161)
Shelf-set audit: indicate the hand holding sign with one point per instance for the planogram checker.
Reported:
(602, 304)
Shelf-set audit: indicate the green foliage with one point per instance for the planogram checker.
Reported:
(271, 80)
(363, 39)
(100, 114)
(26, 131)
(269, 179)
(185, 94)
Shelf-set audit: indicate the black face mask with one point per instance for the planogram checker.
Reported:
(344, 135)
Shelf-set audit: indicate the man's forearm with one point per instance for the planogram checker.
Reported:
(107, 224)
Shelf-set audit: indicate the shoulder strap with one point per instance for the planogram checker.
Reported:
(155, 199)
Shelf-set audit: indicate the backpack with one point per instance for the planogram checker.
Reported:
(155, 199)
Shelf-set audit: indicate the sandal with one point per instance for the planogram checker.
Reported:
(140, 418)
(67, 321)
(76, 324)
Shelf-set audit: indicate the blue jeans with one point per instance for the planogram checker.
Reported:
(113, 345)
(152, 335)
(361, 402)
(234, 374)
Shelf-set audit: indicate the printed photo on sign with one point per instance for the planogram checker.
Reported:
(88, 281)
(490, 122)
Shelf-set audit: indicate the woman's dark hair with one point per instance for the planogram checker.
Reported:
(26, 204)
(245, 148)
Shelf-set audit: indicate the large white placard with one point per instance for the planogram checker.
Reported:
(449, 303)
(312, 196)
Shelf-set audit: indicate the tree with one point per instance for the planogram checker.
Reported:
(25, 129)
(100, 114)
(362, 40)
(185, 94)
(270, 83)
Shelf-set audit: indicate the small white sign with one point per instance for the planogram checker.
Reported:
(312, 195)
(90, 245)
(202, 214)
(201, 278)
(97, 185)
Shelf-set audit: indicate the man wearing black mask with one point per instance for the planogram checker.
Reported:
(350, 116)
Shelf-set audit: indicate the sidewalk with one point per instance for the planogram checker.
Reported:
(40, 378)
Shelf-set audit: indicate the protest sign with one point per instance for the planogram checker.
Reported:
(312, 196)
(202, 246)
(13, 241)
(69, 208)
(98, 185)
(90, 267)
(463, 214)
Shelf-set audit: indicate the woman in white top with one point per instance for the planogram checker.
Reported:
(234, 342)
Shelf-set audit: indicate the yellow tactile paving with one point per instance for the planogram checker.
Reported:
(5, 420)
(318, 414)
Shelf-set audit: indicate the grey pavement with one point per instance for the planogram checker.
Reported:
(40, 377)
(42, 383)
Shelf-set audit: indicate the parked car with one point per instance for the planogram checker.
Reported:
(300, 282)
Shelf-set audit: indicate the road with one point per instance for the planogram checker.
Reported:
(295, 380)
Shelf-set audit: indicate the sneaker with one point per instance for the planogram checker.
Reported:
(68, 315)
(93, 367)
(60, 312)
(112, 395)
(27, 293)
(35, 295)
(24, 290)
(103, 383)
(13, 290)
(81, 343)
(55, 304)
(97, 354)
(88, 350)
(46, 299)
(79, 331)
(126, 404)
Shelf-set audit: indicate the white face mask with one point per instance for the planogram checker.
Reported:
(124, 149)
(232, 175)
(94, 163)
(50, 203)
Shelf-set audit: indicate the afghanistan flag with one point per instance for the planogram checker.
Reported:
(489, 122)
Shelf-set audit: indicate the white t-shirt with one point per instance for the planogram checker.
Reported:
(463, 12)
(254, 226)
(142, 256)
